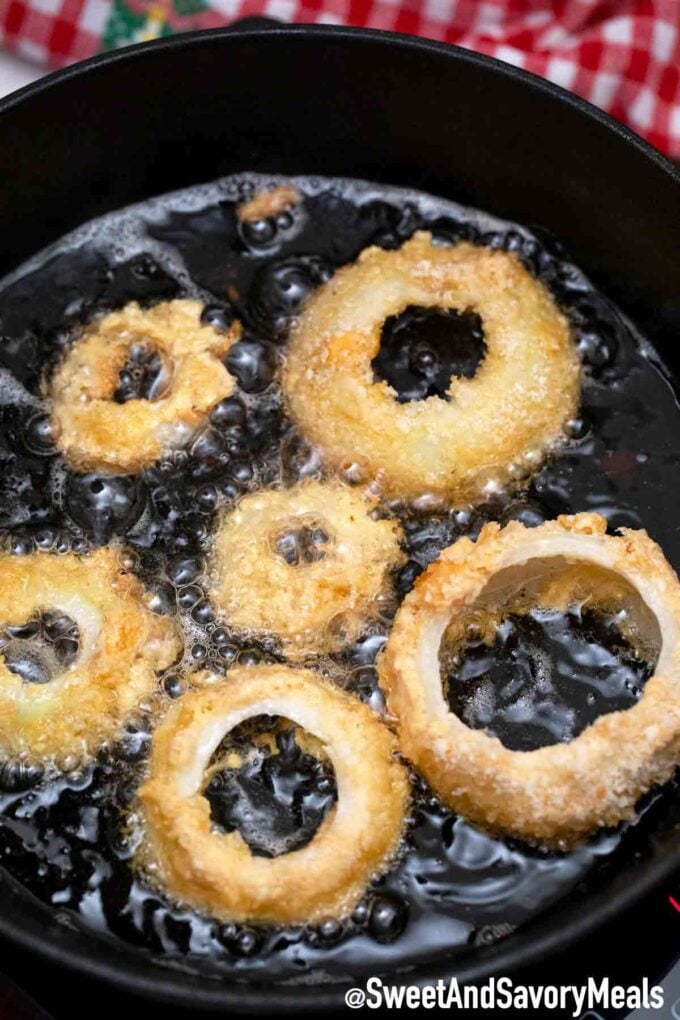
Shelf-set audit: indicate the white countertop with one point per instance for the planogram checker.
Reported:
(15, 72)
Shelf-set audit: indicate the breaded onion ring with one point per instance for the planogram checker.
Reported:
(216, 872)
(500, 421)
(306, 564)
(556, 794)
(121, 646)
(97, 434)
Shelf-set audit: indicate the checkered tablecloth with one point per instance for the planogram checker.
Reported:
(622, 55)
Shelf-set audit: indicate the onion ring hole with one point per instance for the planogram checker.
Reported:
(422, 349)
(308, 565)
(513, 371)
(197, 862)
(268, 780)
(79, 651)
(137, 384)
(41, 648)
(534, 673)
(556, 794)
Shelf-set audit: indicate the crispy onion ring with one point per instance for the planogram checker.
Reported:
(97, 434)
(312, 606)
(557, 794)
(496, 424)
(216, 872)
(121, 645)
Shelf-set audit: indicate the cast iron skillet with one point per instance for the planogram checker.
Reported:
(306, 99)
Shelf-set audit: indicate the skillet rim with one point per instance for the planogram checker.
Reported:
(186, 40)
(551, 931)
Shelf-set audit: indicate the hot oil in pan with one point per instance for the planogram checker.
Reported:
(545, 676)
(453, 886)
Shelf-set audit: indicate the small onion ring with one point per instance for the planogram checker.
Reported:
(216, 872)
(122, 645)
(553, 795)
(497, 423)
(312, 607)
(97, 434)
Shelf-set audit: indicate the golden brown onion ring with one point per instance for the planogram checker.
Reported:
(216, 872)
(314, 604)
(496, 424)
(121, 646)
(554, 794)
(97, 434)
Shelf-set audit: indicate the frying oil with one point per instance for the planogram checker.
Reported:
(67, 837)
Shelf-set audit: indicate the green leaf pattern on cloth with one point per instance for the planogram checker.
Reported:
(133, 21)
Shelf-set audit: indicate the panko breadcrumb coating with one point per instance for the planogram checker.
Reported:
(216, 872)
(313, 604)
(553, 795)
(94, 432)
(497, 424)
(122, 645)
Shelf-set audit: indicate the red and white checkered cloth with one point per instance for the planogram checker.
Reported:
(622, 55)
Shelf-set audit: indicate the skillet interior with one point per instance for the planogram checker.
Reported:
(616, 215)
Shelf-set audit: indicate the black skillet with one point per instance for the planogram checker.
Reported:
(351, 103)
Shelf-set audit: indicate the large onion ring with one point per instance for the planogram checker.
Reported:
(554, 794)
(121, 646)
(216, 872)
(495, 424)
(97, 434)
(311, 606)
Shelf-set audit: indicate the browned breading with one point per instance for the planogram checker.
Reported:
(266, 204)
(97, 434)
(496, 425)
(311, 606)
(557, 794)
(121, 646)
(216, 872)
